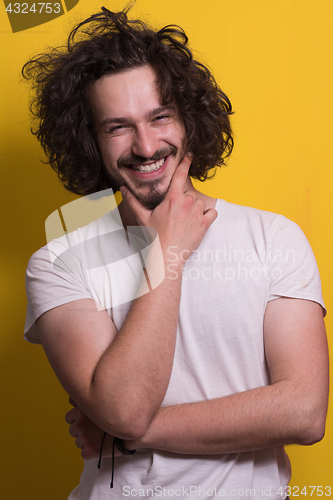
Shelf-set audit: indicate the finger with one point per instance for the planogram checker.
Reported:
(79, 443)
(201, 203)
(73, 431)
(140, 212)
(181, 174)
(190, 195)
(70, 416)
(211, 215)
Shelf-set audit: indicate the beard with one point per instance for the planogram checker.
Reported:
(150, 201)
(155, 197)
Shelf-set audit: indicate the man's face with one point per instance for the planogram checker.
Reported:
(141, 141)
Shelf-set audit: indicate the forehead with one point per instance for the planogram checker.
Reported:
(131, 93)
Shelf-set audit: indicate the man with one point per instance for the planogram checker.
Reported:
(209, 374)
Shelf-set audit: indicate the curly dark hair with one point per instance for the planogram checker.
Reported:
(109, 42)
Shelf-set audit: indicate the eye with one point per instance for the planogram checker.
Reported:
(113, 129)
(161, 117)
(118, 129)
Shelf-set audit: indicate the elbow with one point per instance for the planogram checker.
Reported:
(132, 429)
(129, 424)
(312, 429)
(312, 435)
(121, 416)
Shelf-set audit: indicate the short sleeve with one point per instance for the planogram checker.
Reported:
(51, 283)
(293, 270)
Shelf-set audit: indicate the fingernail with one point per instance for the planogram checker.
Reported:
(123, 190)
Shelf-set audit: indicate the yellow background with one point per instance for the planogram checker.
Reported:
(273, 58)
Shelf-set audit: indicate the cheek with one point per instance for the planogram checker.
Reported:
(111, 150)
(176, 134)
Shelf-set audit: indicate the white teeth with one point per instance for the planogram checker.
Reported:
(149, 168)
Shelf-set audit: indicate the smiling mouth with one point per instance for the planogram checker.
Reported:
(148, 168)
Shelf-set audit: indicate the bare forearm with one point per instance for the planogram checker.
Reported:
(118, 379)
(290, 410)
(132, 376)
(260, 418)
(137, 365)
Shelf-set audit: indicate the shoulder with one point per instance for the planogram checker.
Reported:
(58, 273)
(271, 236)
(249, 220)
(69, 243)
(242, 212)
(64, 259)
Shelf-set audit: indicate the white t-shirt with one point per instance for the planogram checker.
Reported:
(247, 258)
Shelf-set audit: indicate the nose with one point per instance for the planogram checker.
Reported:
(145, 141)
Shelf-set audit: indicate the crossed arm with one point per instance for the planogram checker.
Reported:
(290, 410)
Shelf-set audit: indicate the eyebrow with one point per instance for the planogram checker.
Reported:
(149, 116)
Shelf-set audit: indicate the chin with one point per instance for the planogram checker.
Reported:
(153, 197)
(152, 201)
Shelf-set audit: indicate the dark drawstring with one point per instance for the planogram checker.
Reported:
(100, 457)
(114, 442)
(100, 452)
